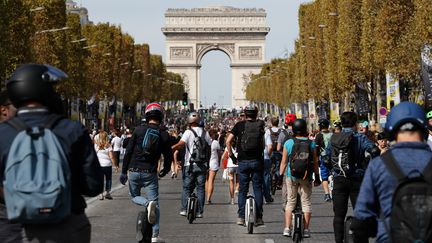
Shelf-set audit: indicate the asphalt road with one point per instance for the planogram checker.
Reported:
(114, 220)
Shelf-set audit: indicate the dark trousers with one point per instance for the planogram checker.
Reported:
(343, 189)
(9, 232)
(116, 158)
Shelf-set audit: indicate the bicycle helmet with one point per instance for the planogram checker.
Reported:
(429, 115)
(154, 111)
(289, 119)
(406, 116)
(34, 82)
(251, 111)
(193, 117)
(299, 127)
(323, 123)
(337, 124)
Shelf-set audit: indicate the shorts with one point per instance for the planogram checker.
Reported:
(304, 188)
(324, 172)
(232, 170)
(214, 166)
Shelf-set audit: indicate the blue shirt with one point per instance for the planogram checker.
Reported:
(376, 192)
(361, 143)
(289, 144)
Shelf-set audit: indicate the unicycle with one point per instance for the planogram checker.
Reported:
(143, 228)
(348, 234)
(298, 222)
(250, 213)
(191, 210)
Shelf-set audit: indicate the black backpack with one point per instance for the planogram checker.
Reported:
(301, 158)
(200, 153)
(252, 139)
(274, 137)
(342, 152)
(411, 216)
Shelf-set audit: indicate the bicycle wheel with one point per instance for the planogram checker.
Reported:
(250, 227)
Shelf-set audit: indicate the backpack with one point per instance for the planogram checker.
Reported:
(326, 138)
(274, 137)
(287, 136)
(411, 215)
(151, 143)
(125, 142)
(252, 139)
(301, 158)
(201, 149)
(342, 154)
(37, 185)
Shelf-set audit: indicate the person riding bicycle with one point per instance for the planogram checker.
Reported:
(429, 118)
(194, 171)
(250, 146)
(300, 160)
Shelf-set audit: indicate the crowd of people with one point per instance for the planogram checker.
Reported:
(386, 176)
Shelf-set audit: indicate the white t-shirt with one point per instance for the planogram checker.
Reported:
(116, 144)
(188, 137)
(103, 156)
(268, 141)
(214, 158)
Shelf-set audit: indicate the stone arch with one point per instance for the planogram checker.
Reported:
(203, 49)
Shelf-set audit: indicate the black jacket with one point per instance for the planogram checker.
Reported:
(133, 158)
(86, 173)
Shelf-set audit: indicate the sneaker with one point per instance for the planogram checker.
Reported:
(240, 221)
(287, 232)
(270, 200)
(157, 239)
(173, 175)
(151, 212)
(108, 196)
(101, 197)
(183, 213)
(209, 202)
(199, 215)
(327, 198)
(232, 201)
(306, 233)
(259, 222)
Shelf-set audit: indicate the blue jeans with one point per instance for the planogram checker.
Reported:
(324, 171)
(250, 170)
(194, 176)
(150, 183)
(276, 159)
(267, 179)
(107, 171)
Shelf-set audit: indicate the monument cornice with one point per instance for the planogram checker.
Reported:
(208, 11)
(166, 30)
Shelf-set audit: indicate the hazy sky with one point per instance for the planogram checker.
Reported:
(143, 19)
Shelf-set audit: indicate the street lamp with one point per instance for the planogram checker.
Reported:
(125, 63)
(312, 38)
(333, 14)
(88, 47)
(80, 40)
(37, 9)
(52, 30)
(107, 54)
(138, 70)
(322, 26)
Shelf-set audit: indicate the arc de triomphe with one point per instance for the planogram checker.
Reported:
(239, 33)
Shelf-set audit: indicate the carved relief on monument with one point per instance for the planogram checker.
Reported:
(181, 52)
(250, 53)
(230, 48)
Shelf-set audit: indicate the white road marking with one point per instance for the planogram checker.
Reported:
(269, 241)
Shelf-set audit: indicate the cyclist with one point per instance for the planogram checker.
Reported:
(140, 165)
(429, 118)
(407, 125)
(194, 174)
(322, 140)
(250, 146)
(300, 160)
(270, 157)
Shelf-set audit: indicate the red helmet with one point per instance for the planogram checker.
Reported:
(290, 118)
(154, 110)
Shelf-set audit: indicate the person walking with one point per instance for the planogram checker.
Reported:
(250, 146)
(213, 165)
(232, 170)
(322, 140)
(105, 156)
(394, 200)
(116, 143)
(71, 156)
(147, 144)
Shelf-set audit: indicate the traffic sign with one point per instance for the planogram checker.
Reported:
(383, 111)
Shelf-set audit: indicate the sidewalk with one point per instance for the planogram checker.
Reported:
(114, 220)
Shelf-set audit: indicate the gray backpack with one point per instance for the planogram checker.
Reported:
(37, 185)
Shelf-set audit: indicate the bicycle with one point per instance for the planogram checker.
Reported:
(298, 221)
(250, 213)
(191, 209)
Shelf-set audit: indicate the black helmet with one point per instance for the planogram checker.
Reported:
(251, 111)
(33, 82)
(299, 127)
(154, 111)
(323, 123)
